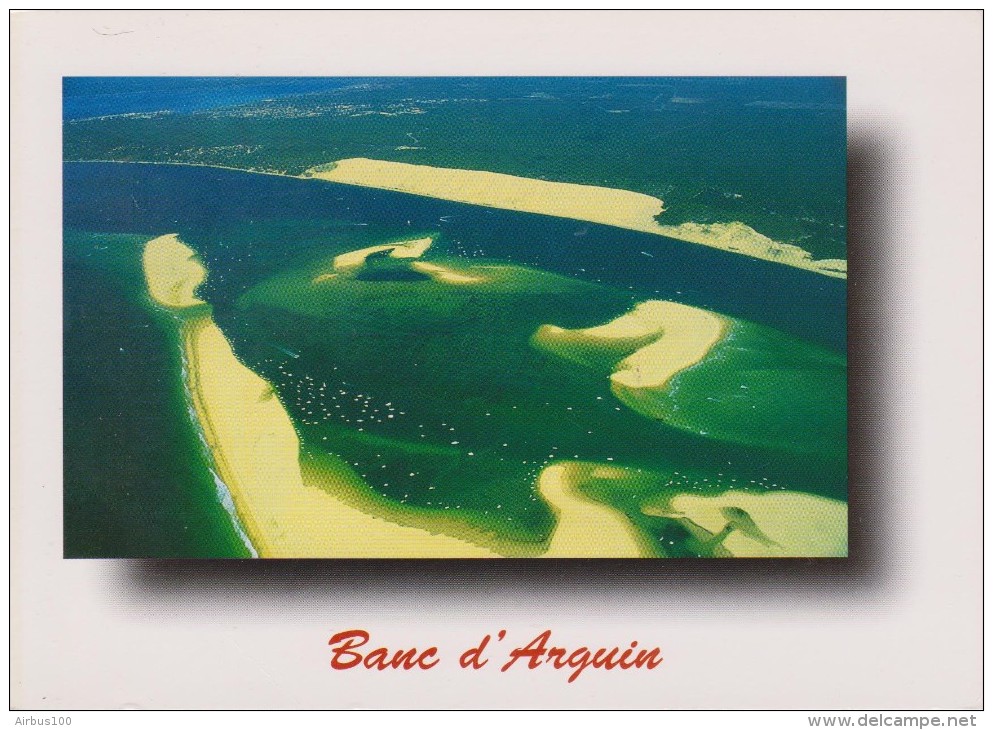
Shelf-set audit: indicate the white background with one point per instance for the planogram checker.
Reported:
(898, 627)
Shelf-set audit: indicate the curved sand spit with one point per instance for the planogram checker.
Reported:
(670, 338)
(399, 250)
(256, 448)
(172, 272)
(412, 249)
(621, 208)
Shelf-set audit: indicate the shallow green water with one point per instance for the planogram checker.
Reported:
(437, 397)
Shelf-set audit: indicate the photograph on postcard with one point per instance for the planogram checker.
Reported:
(577, 317)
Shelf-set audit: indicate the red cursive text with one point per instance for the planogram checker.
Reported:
(344, 656)
(538, 652)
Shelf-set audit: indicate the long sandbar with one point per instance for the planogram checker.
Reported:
(496, 190)
(257, 453)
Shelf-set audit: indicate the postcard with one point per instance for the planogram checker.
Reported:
(497, 359)
(455, 317)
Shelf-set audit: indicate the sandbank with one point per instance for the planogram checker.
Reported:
(585, 528)
(172, 272)
(400, 250)
(686, 336)
(444, 274)
(665, 337)
(413, 249)
(609, 206)
(767, 525)
(256, 449)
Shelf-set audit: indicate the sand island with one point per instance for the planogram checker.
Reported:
(172, 272)
(405, 250)
(399, 250)
(655, 341)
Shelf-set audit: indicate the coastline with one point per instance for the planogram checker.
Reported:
(191, 164)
